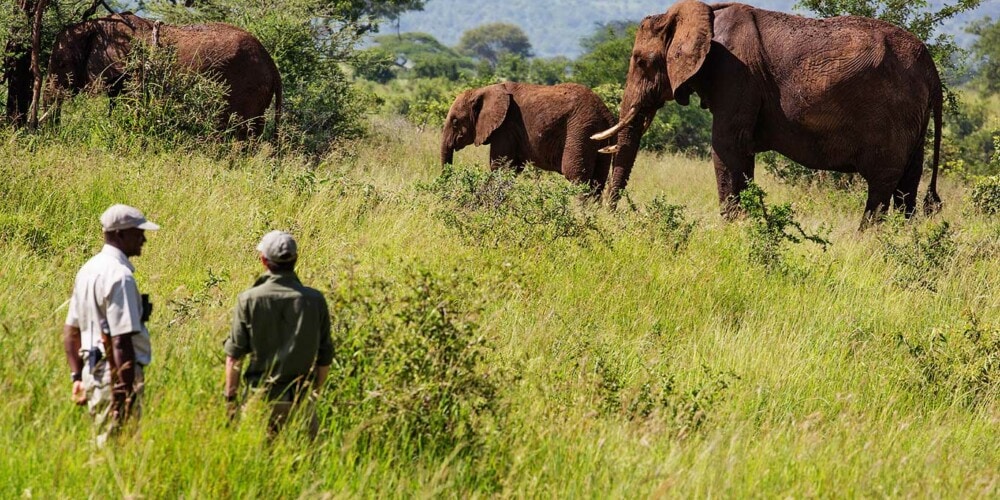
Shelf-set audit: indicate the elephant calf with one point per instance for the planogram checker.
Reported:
(549, 126)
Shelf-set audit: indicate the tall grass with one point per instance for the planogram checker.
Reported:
(648, 355)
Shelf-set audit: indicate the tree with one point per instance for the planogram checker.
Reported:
(420, 53)
(986, 53)
(607, 55)
(490, 41)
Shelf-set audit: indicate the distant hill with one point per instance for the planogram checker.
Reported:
(555, 27)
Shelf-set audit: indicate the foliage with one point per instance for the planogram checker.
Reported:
(665, 224)
(606, 57)
(968, 145)
(683, 411)
(418, 54)
(986, 53)
(985, 195)
(516, 68)
(921, 258)
(501, 208)
(963, 364)
(769, 225)
(410, 364)
(491, 41)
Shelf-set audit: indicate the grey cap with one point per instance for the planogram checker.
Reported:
(118, 217)
(278, 247)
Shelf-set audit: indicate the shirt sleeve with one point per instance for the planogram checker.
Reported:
(124, 307)
(237, 344)
(72, 318)
(324, 356)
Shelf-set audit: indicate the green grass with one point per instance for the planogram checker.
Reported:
(623, 368)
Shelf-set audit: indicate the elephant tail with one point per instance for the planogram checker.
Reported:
(932, 202)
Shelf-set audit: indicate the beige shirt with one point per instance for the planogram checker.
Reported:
(106, 298)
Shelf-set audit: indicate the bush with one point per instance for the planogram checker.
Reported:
(411, 365)
(665, 224)
(963, 364)
(768, 230)
(920, 258)
(498, 207)
(986, 195)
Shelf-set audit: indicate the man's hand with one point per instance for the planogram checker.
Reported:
(79, 393)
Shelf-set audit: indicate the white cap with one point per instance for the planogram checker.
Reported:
(118, 217)
(278, 247)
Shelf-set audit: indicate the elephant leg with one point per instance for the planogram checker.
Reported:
(579, 164)
(905, 195)
(879, 196)
(503, 153)
(599, 178)
(733, 172)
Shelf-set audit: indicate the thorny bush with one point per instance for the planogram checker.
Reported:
(501, 207)
(920, 258)
(769, 228)
(410, 362)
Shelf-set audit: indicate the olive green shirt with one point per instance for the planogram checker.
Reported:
(285, 327)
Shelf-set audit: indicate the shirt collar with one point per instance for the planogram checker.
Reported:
(284, 277)
(118, 255)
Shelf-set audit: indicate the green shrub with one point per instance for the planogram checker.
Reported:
(410, 364)
(665, 224)
(500, 207)
(769, 228)
(962, 363)
(986, 195)
(920, 257)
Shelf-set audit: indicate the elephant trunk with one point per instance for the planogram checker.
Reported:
(447, 152)
(621, 166)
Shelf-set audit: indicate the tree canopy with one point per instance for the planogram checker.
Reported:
(490, 41)
(986, 53)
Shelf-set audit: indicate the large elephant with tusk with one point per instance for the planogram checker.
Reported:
(848, 94)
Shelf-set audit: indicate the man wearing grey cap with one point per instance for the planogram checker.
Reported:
(285, 327)
(105, 337)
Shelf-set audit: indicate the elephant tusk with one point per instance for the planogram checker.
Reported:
(608, 149)
(614, 130)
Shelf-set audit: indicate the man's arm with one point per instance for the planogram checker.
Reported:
(232, 378)
(320, 376)
(71, 343)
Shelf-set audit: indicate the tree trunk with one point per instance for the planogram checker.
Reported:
(36, 70)
(17, 72)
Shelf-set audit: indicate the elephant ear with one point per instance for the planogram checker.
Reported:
(491, 109)
(692, 37)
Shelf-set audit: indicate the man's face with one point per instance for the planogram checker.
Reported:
(131, 241)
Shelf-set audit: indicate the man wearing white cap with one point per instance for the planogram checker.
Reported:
(105, 337)
(286, 327)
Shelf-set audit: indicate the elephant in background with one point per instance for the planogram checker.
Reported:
(95, 52)
(549, 126)
(848, 94)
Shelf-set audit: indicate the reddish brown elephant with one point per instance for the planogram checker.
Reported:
(96, 50)
(548, 126)
(847, 94)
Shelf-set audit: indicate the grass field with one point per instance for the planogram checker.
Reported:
(612, 355)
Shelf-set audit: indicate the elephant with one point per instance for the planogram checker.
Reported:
(847, 94)
(547, 125)
(95, 52)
